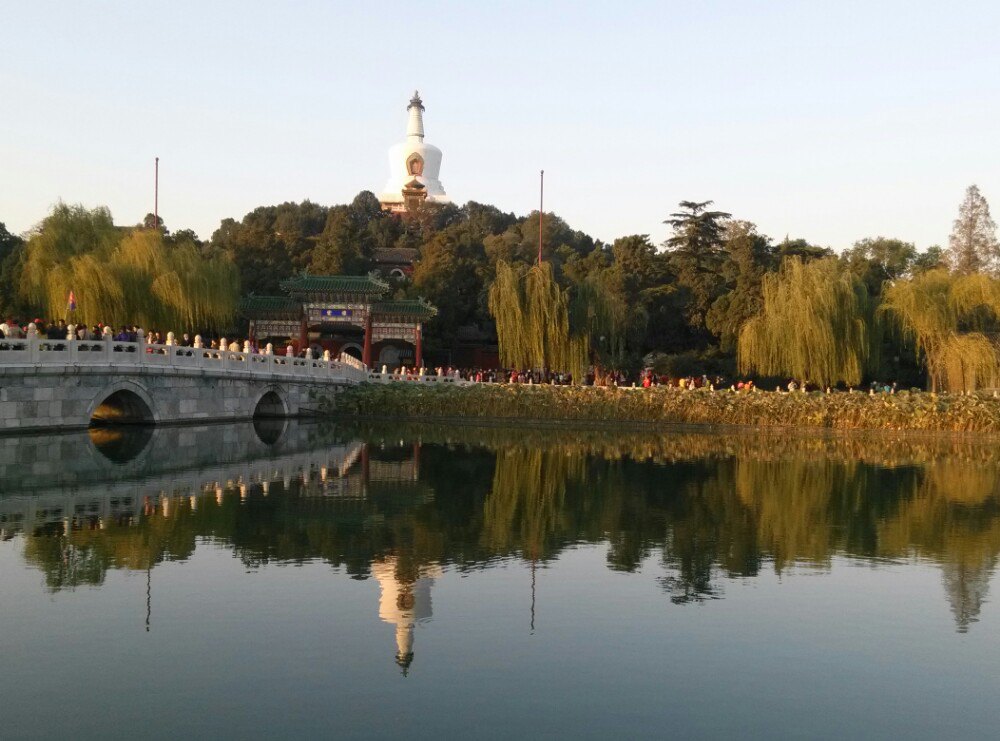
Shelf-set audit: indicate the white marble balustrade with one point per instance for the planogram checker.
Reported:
(40, 352)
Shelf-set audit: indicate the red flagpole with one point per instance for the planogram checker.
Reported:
(541, 212)
(156, 196)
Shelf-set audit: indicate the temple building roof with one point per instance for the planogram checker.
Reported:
(335, 304)
(358, 285)
(409, 309)
(396, 255)
(276, 307)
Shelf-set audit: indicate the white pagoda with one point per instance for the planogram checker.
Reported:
(414, 166)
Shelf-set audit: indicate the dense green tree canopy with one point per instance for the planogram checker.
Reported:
(11, 264)
(682, 306)
(271, 243)
(748, 257)
(696, 255)
(881, 259)
(448, 275)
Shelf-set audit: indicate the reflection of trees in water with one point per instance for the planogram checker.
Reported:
(805, 510)
(85, 554)
(707, 531)
(953, 518)
(709, 507)
(67, 564)
(526, 504)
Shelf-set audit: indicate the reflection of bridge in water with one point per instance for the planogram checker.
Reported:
(90, 480)
(126, 479)
(292, 492)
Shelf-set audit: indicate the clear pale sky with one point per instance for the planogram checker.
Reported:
(825, 120)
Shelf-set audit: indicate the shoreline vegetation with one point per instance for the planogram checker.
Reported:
(904, 411)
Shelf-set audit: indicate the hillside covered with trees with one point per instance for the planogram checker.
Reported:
(717, 296)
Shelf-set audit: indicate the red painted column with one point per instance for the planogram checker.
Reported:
(303, 335)
(366, 354)
(419, 349)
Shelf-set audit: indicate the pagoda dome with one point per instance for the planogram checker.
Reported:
(414, 166)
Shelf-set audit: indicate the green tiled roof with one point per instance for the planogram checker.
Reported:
(399, 255)
(412, 309)
(253, 307)
(327, 284)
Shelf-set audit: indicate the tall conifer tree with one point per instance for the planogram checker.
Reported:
(973, 246)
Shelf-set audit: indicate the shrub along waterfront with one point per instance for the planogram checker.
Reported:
(838, 411)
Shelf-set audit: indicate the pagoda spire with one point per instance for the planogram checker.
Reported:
(415, 127)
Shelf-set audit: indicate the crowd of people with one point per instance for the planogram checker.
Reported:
(647, 378)
(59, 329)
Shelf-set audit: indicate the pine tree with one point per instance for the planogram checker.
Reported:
(696, 254)
(973, 246)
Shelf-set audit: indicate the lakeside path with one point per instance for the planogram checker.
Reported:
(903, 411)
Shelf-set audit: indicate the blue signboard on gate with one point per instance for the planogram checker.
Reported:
(335, 314)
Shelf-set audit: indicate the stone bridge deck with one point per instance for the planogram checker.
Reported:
(53, 384)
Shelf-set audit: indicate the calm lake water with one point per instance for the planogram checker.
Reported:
(318, 580)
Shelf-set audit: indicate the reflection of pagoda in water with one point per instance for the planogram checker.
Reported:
(382, 508)
(966, 585)
(404, 603)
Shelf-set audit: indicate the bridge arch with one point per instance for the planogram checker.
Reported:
(124, 402)
(269, 430)
(270, 403)
(353, 349)
(121, 446)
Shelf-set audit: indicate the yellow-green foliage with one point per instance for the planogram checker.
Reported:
(531, 313)
(816, 325)
(131, 277)
(527, 497)
(599, 310)
(945, 316)
(841, 411)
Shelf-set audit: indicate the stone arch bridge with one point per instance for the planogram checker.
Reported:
(49, 384)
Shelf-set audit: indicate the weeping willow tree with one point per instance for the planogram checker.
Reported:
(599, 309)
(540, 325)
(125, 278)
(949, 318)
(817, 324)
(532, 316)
